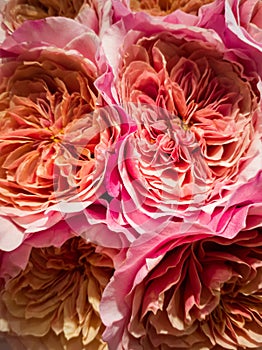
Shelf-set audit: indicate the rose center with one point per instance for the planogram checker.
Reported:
(32, 9)
(163, 7)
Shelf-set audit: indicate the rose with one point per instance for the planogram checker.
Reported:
(243, 29)
(161, 8)
(34, 112)
(17, 12)
(250, 18)
(53, 301)
(53, 142)
(188, 73)
(187, 290)
(170, 77)
(15, 260)
(206, 13)
(12, 262)
(246, 15)
(161, 170)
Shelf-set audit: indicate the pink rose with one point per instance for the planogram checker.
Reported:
(187, 290)
(53, 140)
(14, 261)
(244, 18)
(158, 171)
(243, 29)
(197, 108)
(251, 18)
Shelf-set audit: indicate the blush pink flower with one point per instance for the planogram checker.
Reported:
(241, 29)
(15, 260)
(244, 18)
(198, 111)
(161, 168)
(250, 18)
(187, 291)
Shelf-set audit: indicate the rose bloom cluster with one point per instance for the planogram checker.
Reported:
(131, 174)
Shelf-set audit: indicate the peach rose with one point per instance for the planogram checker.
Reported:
(16, 12)
(53, 303)
(164, 7)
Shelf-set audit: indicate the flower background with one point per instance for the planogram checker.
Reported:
(130, 174)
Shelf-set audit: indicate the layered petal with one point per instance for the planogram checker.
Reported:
(54, 140)
(244, 19)
(16, 12)
(183, 291)
(162, 8)
(197, 107)
(54, 301)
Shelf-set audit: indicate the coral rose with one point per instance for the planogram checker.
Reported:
(187, 290)
(53, 139)
(54, 302)
(197, 107)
